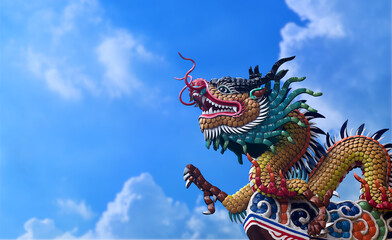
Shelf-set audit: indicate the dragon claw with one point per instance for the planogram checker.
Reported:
(193, 175)
(314, 228)
(336, 194)
(207, 212)
(186, 176)
(328, 225)
(188, 183)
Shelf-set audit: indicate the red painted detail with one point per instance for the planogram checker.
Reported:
(202, 84)
(255, 164)
(185, 78)
(180, 96)
(274, 230)
(262, 188)
(259, 93)
(257, 181)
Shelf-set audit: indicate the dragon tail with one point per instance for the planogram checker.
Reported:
(353, 151)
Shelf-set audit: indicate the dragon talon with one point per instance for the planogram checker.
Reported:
(336, 194)
(186, 170)
(207, 212)
(328, 225)
(186, 176)
(188, 183)
(214, 198)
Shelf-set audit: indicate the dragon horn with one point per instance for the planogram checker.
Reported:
(255, 79)
(250, 72)
(271, 74)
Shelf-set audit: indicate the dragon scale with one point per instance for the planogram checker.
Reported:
(258, 117)
(348, 153)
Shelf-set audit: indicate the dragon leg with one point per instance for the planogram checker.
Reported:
(193, 175)
(237, 203)
(318, 223)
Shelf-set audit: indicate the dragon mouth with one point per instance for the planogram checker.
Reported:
(213, 107)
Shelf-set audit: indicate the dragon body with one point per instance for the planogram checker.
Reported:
(259, 118)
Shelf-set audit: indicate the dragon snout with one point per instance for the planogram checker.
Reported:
(198, 86)
(199, 83)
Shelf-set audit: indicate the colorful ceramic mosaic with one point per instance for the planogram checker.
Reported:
(293, 175)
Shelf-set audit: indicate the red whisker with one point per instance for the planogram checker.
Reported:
(180, 96)
(189, 71)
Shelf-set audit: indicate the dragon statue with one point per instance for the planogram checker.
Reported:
(292, 176)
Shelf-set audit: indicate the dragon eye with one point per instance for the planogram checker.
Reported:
(224, 89)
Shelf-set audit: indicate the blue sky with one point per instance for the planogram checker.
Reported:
(93, 139)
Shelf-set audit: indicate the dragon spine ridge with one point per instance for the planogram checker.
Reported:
(252, 117)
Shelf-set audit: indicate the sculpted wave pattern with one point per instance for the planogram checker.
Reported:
(346, 219)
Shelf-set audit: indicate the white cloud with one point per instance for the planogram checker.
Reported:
(320, 21)
(60, 85)
(73, 43)
(323, 22)
(42, 67)
(141, 203)
(35, 62)
(70, 206)
(117, 53)
(142, 210)
(84, 9)
(36, 228)
(334, 118)
(213, 226)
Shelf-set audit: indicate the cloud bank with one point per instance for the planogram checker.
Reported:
(141, 210)
(100, 60)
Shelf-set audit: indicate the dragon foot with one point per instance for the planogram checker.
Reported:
(271, 189)
(384, 204)
(193, 175)
(318, 223)
(283, 191)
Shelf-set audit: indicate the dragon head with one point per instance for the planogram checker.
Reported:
(244, 115)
